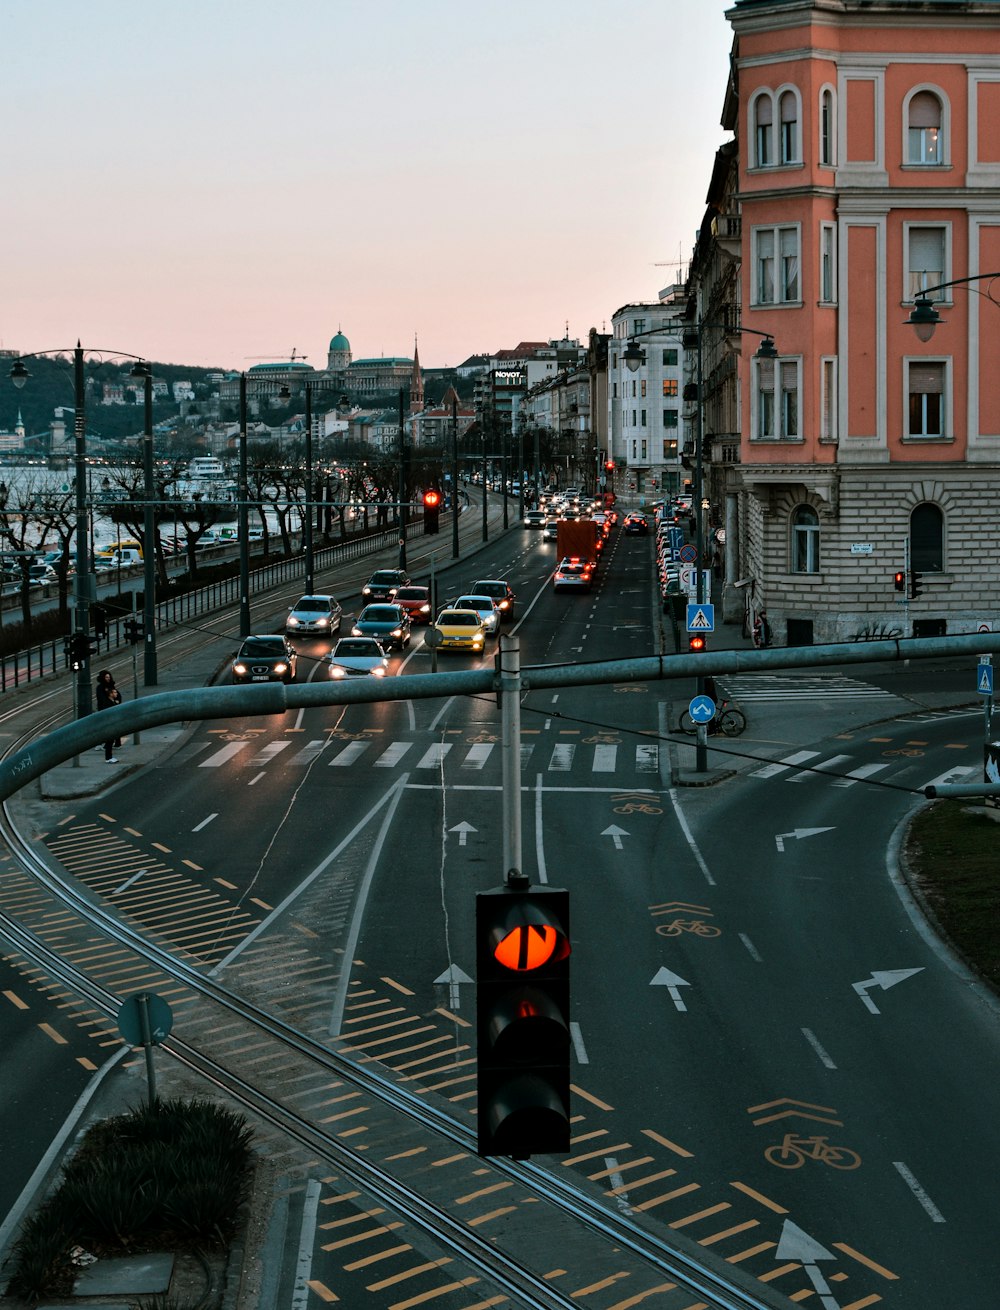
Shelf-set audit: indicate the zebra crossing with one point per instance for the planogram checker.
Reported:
(600, 757)
(790, 769)
(786, 687)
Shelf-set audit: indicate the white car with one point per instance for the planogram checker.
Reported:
(355, 657)
(484, 606)
(314, 615)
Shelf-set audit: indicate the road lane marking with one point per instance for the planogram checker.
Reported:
(918, 1192)
(577, 1038)
(204, 823)
(222, 755)
(689, 837)
(814, 1042)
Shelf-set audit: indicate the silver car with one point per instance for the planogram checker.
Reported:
(314, 616)
(354, 657)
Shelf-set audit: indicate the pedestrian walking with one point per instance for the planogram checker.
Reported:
(107, 696)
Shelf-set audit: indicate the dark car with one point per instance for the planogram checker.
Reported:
(635, 524)
(268, 658)
(500, 593)
(384, 584)
(388, 624)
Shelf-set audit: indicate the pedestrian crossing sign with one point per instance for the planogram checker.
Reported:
(985, 679)
(701, 618)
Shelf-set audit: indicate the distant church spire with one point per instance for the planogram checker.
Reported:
(417, 381)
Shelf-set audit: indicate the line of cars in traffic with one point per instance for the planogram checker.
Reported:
(395, 605)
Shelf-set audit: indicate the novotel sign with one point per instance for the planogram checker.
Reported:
(514, 376)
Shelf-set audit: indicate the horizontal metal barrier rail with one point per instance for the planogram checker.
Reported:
(34, 662)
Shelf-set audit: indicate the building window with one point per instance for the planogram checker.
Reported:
(924, 136)
(926, 259)
(633, 388)
(638, 325)
(776, 399)
(633, 418)
(614, 391)
(776, 265)
(828, 400)
(642, 418)
(788, 109)
(670, 419)
(925, 385)
(670, 358)
(763, 124)
(828, 263)
(927, 538)
(634, 451)
(805, 540)
(669, 450)
(644, 456)
(826, 128)
(642, 388)
(670, 386)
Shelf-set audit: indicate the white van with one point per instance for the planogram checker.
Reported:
(125, 558)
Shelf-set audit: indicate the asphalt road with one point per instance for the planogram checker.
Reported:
(765, 1031)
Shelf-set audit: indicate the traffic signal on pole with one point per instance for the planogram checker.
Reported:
(81, 647)
(899, 580)
(432, 510)
(916, 584)
(134, 631)
(99, 620)
(609, 465)
(522, 1020)
(696, 643)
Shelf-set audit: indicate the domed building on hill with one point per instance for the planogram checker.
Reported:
(338, 357)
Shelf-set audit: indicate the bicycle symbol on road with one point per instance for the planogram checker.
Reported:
(794, 1151)
(697, 926)
(481, 738)
(602, 739)
(908, 752)
(637, 806)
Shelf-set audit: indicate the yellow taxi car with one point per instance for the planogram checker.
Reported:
(460, 630)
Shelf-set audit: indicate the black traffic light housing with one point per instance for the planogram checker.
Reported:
(134, 631)
(81, 647)
(432, 510)
(899, 580)
(916, 584)
(522, 1020)
(697, 644)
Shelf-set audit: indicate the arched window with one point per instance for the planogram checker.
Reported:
(924, 135)
(827, 156)
(805, 540)
(788, 108)
(927, 538)
(763, 123)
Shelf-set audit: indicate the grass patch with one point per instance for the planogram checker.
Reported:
(173, 1176)
(953, 850)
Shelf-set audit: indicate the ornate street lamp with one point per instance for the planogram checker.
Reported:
(924, 318)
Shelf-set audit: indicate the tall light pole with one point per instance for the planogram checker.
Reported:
(402, 483)
(149, 671)
(307, 525)
(242, 513)
(83, 581)
(454, 477)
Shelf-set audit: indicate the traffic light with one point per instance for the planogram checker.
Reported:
(696, 643)
(916, 584)
(81, 647)
(609, 465)
(134, 631)
(99, 620)
(899, 580)
(522, 1020)
(432, 510)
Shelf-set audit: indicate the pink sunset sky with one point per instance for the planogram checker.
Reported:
(212, 181)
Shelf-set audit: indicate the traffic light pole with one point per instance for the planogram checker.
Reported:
(509, 658)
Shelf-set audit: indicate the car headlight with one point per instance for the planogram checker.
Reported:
(356, 631)
(425, 609)
(337, 671)
(322, 623)
(505, 604)
(281, 667)
(366, 591)
(240, 669)
(293, 622)
(378, 671)
(397, 632)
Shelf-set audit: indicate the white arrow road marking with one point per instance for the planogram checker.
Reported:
(797, 1245)
(884, 978)
(673, 984)
(463, 829)
(797, 834)
(616, 834)
(454, 977)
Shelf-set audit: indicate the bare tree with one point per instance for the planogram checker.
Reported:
(24, 533)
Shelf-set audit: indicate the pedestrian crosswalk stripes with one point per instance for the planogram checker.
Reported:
(791, 686)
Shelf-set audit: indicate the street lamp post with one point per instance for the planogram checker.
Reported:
(454, 477)
(242, 513)
(83, 582)
(402, 483)
(307, 523)
(149, 669)
(924, 318)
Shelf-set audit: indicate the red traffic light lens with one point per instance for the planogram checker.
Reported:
(530, 946)
(696, 643)
(432, 498)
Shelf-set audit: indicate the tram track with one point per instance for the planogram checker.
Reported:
(293, 1071)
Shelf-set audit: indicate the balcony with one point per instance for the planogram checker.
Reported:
(727, 229)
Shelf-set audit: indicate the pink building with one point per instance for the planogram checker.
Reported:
(866, 168)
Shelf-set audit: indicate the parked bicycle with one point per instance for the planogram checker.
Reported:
(729, 720)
